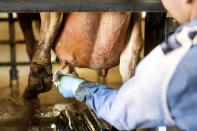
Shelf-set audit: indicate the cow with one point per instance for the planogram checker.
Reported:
(97, 40)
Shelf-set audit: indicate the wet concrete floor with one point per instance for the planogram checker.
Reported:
(51, 111)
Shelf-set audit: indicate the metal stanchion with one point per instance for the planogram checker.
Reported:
(13, 70)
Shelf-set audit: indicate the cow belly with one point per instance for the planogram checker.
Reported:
(92, 40)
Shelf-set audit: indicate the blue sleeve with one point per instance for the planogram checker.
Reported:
(182, 92)
(138, 102)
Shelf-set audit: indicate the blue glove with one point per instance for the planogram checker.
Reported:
(67, 84)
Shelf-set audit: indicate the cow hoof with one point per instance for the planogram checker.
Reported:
(39, 81)
(32, 103)
(30, 93)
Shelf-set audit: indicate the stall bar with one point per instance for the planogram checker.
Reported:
(80, 5)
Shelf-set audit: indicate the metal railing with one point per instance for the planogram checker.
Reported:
(80, 5)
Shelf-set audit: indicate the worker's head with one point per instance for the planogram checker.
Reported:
(182, 10)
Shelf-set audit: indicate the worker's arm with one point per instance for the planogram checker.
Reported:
(140, 102)
(164, 86)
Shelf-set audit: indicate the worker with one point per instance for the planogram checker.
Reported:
(163, 91)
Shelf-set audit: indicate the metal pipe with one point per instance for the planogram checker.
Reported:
(19, 63)
(80, 5)
(13, 70)
(6, 19)
(5, 42)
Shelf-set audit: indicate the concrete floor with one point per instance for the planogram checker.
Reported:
(15, 113)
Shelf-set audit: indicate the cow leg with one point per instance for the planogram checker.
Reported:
(131, 54)
(25, 21)
(40, 77)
